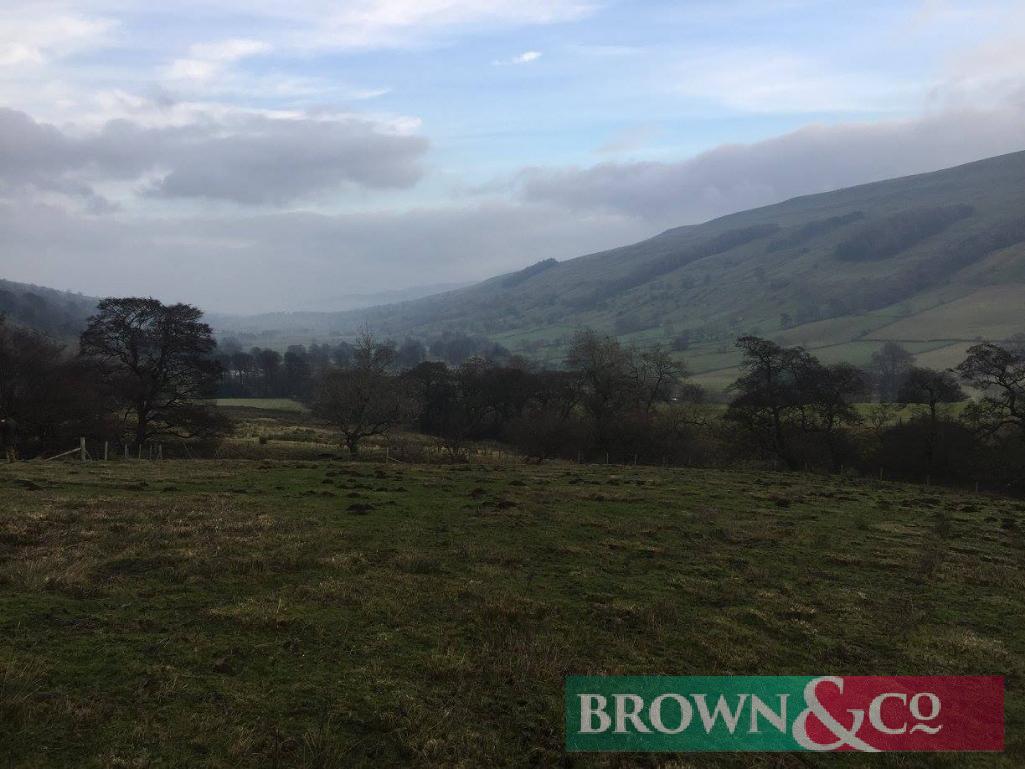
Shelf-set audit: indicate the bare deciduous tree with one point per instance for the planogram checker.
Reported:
(158, 366)
(999, 373)
(362, 399)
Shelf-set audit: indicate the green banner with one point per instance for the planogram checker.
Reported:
(682, 713)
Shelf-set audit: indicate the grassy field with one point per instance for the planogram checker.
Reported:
(328, 614)
(265, 404)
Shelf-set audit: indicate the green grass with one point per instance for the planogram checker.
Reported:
(991, 312)
(264, 404)
(318, 614)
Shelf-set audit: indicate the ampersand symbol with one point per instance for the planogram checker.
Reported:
(844, 735)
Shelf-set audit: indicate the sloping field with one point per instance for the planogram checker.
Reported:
(305, 614)
(991, 312)
(944, 357)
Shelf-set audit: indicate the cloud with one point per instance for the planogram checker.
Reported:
(776, 82)
(351, 24)
(813, 159)
(400, 23)
(627, 140)
(524, 58)
(207, 60)
(242, 158)
(28, 39)
(990, 73)
(276, 161)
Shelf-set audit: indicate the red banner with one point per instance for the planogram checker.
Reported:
(907, 713)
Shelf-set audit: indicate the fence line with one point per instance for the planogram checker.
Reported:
(156, 452)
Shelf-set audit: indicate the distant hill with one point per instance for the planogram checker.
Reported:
(935, 261)
(61, 314)
(328, 306)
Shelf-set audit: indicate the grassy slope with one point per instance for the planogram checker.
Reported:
(745, 289)
(246, 614)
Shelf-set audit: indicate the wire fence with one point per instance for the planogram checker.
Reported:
(107, 451)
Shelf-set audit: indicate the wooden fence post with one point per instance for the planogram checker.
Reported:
(81, 448)
(106, 450)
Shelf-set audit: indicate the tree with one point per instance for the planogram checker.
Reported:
(1016, 344)
(242, 367)
(769, 399)
(829, 394)
(158, 365)
(890, 364)
(681, 342)
(362, 399)
(297, 373)
(341, 355)
(473, 410)
(656, 376)
(269, 363)
(930, 388)
(785, 394)
(52, 399)
(410, 354)
(999, 373)
(606, 381)
(433, 388)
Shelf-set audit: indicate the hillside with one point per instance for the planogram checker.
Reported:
(60, 314)
(935, 261)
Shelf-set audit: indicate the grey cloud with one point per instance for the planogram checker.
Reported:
(36, 154)
(813, 159)
(274, 161)
(248, 159)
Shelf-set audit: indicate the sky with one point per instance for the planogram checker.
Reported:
(266, 155)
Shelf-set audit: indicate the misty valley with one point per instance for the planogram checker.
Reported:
(494, 383)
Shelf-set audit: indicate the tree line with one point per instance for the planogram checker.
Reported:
(616, 403)
(145, 371)
(262, 372)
